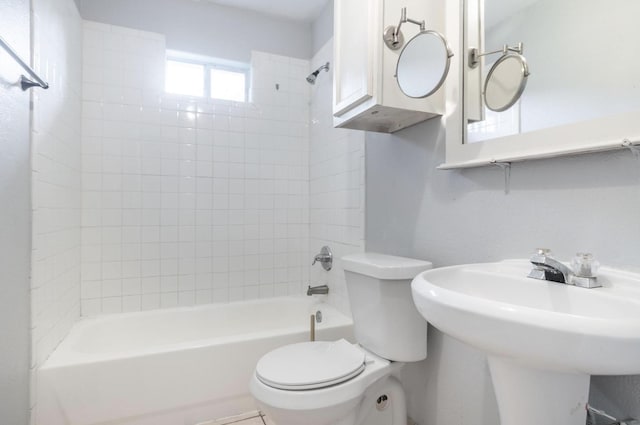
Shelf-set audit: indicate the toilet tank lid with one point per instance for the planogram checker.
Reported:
(382, 266)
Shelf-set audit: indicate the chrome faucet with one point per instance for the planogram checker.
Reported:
(317, 290)
(325, 258)
(550, 269)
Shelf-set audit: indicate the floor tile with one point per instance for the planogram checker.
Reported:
(268, 421)
(251, 421)
(249, 418)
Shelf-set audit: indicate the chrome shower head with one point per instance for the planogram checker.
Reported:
(311, 79)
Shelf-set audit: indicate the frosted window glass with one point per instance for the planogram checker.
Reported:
(184, 78)
(228, 85)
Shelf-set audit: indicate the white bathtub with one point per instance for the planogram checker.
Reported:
(178, 366)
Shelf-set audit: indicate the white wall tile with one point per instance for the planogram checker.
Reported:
(180, 197)
(57, 180)
(336, 198)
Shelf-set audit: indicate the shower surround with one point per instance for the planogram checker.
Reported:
(336, 184)
(189, 201)
(161, 201)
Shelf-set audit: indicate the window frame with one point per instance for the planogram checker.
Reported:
(210, 64)
(216, 66)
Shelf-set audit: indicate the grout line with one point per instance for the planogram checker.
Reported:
(242, 420)
(230, 421)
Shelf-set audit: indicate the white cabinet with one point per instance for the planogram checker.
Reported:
(366, 94)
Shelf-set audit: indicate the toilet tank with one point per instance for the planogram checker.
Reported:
(385, 318)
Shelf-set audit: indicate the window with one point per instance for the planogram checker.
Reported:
(228, 85)
(184, 78)
(197, 76)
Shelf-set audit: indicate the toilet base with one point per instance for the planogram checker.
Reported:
(384, 403)
(344, 414)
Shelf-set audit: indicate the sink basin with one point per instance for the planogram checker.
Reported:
(543, 339)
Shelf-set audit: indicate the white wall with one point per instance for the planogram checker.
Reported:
(336, 185)
(15, 219)
(189, 201)
(583, 203)
(322, 29)
(55, 157)
(206, 28)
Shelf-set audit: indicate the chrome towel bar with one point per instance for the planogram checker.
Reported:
(25, 83)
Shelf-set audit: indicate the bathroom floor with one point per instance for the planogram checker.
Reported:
(255, 418)
(250, 418)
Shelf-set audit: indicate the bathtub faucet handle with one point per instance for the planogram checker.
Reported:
(325, 258)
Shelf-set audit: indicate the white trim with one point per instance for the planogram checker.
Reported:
(600, 147)
(343, 105)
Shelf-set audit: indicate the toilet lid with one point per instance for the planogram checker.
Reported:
(310, 365)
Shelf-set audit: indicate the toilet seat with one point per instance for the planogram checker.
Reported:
(333, 396)
(311, 365)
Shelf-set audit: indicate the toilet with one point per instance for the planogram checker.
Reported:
(339, 383)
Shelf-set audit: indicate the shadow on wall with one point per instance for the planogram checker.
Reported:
(452, 386)
(15, 220)
(8, 85)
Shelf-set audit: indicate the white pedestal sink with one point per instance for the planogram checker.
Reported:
(543, 339)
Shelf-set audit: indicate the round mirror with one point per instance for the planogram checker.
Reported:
(506, 82)
(423, 64)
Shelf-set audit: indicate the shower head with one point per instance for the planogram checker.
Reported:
(311, 79)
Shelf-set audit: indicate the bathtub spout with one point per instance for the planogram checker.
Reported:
(317, 290)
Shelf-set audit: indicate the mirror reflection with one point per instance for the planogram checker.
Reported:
(505, 82)
(423, 64)
(583, 53)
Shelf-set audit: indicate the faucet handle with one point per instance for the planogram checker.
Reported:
(585, 270)
(325, 257)
(544, 252)
(540, 256)
(584, 265)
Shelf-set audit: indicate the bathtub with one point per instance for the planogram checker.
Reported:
(177, 366)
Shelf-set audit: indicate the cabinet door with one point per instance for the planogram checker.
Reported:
(354, 42)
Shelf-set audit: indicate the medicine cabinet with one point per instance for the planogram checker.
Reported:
(578, 90)
(367, 93)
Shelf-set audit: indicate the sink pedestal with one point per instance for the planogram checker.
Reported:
(528, 396)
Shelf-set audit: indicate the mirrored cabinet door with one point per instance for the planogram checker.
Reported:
(582, 56)
(543, 78)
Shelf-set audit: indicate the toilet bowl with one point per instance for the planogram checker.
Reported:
(339, 383)
(326, 395)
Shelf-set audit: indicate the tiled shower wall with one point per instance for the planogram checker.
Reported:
(336, 184)
(188, 201)
(56, 168)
